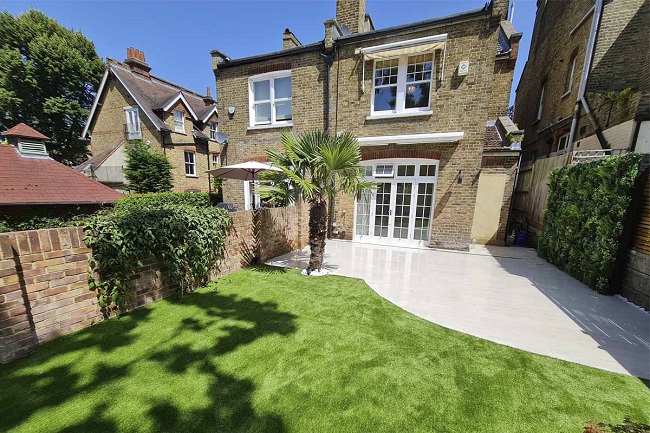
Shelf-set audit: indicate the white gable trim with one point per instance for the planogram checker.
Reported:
(213, 111)
(95, 102)
(187, 105)
(436, 137)
(155, 124)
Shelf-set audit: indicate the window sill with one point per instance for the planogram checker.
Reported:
(398, 115)
(179, 132)
(272, 126)
(192, 175)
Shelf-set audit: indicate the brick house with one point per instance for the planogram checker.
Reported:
(423, 99)
(34, 185)
(570, 75)
(133, 104)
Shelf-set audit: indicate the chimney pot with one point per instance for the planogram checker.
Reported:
(135, 60)
(207, 91)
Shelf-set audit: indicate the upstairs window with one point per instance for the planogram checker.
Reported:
(270, 99)
(213, 130)
(132, 125)
(402, 84)
(540, 105)
(562, 142)
(190, 163)
(179, 121)
(569, 77)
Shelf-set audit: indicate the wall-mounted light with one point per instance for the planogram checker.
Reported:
(459, 177)
(231, 111)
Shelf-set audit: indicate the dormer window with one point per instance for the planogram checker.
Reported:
(179, 121)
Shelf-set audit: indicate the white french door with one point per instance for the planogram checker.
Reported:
(400, 210)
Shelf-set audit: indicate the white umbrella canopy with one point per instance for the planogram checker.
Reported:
(243, 171)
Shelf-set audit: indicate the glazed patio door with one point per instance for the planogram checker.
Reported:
(399, 210)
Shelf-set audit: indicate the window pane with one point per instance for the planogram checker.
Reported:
(417, 95)
(419, 68)
(427, 170)
(178, 116)
(283, 110)
(386, 72)
(385, 98)
(263, 112)
(262, 90)
(282, 87)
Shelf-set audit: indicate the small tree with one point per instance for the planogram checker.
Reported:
(147, 171)
(315, 166)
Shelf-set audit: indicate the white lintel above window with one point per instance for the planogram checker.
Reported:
(270, 99)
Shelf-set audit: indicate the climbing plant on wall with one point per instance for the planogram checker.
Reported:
(584, 217)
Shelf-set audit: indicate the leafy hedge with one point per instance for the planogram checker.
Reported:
(136, 201)
(583, 221)
(187, 240)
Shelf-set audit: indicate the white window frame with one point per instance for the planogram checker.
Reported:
(566, 143)
(214, 128)
(190, 164)
(383, 174)
(216, 160)
(133, 129)
(569, 85)
(179, 126)
(540, 106)
(400, 102)
(256, 201)
(271, 77)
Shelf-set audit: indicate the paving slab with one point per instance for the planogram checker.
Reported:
(503, 294)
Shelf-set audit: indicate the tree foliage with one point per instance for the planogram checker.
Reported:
(146, 170)
(48, 76)
(315, 166)
(584, 217)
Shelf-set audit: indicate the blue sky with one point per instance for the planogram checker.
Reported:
(177, 36)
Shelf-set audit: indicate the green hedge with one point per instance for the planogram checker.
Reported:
(187, 241)
(584, 217)
(135, 201)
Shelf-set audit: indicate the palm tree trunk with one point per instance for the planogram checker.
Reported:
(317, 232)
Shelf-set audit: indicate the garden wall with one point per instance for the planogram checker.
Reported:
(43, 275)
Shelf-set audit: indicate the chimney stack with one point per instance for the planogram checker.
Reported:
(135, 59)
(207, 99)
(352, 13)
(289, 40)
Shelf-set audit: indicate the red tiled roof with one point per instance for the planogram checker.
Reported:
(41, 180)
(22, 130)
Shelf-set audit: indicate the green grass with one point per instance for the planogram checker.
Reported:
(272, 351)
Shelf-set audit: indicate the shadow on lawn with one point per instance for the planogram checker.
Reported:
(25, 388)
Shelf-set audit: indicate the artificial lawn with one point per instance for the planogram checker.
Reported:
(272, 351)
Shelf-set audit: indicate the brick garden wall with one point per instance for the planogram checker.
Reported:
(43, 275)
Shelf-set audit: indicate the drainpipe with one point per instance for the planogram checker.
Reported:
(329, 60)
(582, 101)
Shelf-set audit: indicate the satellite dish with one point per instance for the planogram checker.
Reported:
(222, 138)
(345, 30)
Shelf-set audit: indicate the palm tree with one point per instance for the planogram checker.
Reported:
(315, 166)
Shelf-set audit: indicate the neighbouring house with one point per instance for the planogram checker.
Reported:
(424, 100)
(585, 85)
(33, 184)
(585, 94)
(132, 104)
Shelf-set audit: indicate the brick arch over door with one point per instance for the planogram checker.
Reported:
(370, 154)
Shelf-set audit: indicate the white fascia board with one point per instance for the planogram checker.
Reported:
(402, 44)
(436, 137)
(95, 103)
(213, 111)
(155, 124)
(187, 105)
